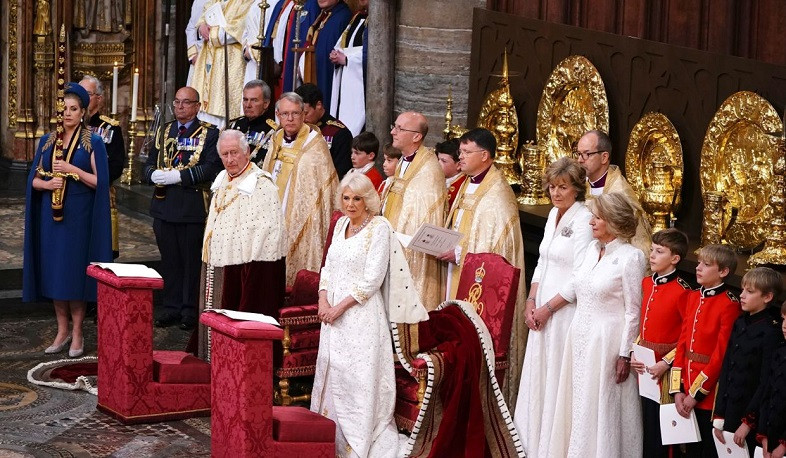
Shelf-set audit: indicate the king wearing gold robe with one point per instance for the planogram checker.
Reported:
(486, 212)
(209, 75)
(301, 166)
(417, 195)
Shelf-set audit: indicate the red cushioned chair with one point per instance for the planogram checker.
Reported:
(301, 328)
(490, 283)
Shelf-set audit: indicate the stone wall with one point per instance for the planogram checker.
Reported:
(433, 42)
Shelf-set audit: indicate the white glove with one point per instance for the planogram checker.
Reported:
(171, 177)
(157, 177)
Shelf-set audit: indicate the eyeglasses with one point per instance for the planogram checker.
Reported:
(289, 114)
(177, 103)
(469, 151)
(585, 156)
(397, 128)
(92, 93)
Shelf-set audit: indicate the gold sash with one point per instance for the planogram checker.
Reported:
(468, 203)
(393, 197)
(288, 155)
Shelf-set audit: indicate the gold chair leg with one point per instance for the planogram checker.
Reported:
(283, 386)
(421, 389)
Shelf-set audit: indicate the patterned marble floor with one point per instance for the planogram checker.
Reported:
(137, 242)
(38, 421)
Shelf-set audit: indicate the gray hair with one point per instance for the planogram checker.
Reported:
(361, 185)
(602, 140)
(99, 85)
(291, 97)
(260, 84)
(232, 134)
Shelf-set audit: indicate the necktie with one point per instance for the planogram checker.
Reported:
(181, 130)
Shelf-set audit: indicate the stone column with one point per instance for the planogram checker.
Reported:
(433, 43)
(379, 81)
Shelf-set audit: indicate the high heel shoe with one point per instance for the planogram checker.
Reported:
(58, 348)
(77, 353)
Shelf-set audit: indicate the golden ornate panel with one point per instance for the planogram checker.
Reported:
(573, 102)
(653, 164)
(737, 160)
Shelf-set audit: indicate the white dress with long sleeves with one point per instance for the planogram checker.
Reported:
(354, 384)
(594, 415)
(561, 251)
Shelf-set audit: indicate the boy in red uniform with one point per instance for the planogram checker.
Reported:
(364, 152)
(709, 318)
(746, 366)
(664, 297)
(448, 156)
(392, 156)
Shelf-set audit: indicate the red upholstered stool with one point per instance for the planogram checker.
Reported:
(244, 422)
(134, 387)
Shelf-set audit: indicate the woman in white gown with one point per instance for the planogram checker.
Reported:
(567, 235)
(354, 384)
(598, 411)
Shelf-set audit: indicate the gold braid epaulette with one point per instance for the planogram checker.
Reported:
(50, 141)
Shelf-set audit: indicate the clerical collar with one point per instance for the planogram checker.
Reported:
(232, 177)
(479, 177)
(663, 279)
(600, 182)
(410, 157)
(714, 291)
(288, 139)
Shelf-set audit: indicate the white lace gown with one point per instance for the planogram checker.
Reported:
(354, 384)
(561, 251)
(594, 415)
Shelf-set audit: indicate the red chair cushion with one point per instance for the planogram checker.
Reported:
(304, 338)
(305, 290)
(179, 367)
(499, 281)
(297, 424)
(405, 414)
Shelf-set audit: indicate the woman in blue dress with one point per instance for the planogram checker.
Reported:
(59, 245)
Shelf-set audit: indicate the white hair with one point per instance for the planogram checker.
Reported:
(232, 134)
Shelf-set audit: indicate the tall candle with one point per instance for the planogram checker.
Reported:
(115, 73)
(134, 95)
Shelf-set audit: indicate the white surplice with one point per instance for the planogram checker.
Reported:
(561, 251)
(594, 415)
(354, 384)
(251, 34)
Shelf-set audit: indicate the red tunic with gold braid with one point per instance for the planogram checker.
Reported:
(664, 299)
(375, 177)
(453, 189)
(709, 318)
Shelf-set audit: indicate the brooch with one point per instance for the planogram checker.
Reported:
(567, 231)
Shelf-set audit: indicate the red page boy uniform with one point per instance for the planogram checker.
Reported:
(664, 299)
(709, 318)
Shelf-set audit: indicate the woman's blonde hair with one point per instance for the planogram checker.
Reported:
(617, 212)
(361, 185)
(569, 170)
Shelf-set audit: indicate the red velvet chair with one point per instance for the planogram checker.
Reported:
(244, 422)
(490, 283)
(300, 343)
(139, 384)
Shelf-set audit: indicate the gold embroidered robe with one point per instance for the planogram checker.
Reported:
(208, 77)
(490, 224)
(307, 184)
(416, 198)
(615, 182)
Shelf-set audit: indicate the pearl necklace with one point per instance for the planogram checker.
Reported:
(359, 228)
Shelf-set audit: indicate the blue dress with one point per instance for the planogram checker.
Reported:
(57, 253)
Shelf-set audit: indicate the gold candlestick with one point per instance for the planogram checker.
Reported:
(128, 176)
(774, 251)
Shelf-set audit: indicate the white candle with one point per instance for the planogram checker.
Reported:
(115, 73)
(134, 95)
